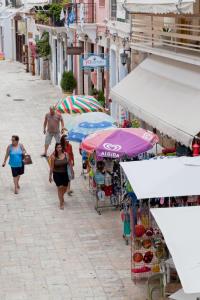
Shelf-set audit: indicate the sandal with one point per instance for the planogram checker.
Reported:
(62, 206)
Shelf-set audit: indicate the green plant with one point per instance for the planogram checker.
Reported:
(135, 123)
(94, 92)
(42, 46)
(101, 98)
(64, 2)
(42, 17)
(68, 82)
(54, 11)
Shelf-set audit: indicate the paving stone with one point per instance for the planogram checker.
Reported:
(45, 253)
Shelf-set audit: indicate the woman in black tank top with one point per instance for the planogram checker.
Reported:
(58, 171)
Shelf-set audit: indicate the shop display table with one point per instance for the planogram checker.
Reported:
(180, 295)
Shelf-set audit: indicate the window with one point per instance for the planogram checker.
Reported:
(113, 9)
(101, 3)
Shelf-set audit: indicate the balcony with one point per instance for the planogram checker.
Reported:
(173, 37)
(117, 14)
(49, 15)
(82, 12)
(73, 14)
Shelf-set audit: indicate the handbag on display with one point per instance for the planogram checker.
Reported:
(108, 179)
(27, 159)
(99, 178)
(101, 195)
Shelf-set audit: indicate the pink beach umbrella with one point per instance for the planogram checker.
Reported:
(120, 142)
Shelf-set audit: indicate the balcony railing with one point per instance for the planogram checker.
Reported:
(49, 20)
(73, 14)
(180, 35)
(83, 12)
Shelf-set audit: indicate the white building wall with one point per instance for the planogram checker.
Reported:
(113, 78)
(7, 38)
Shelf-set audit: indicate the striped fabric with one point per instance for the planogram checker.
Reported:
(78, 105)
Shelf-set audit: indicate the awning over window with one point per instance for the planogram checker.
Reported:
(165, 94)
(159, 6)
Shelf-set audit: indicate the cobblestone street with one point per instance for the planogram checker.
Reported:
(45, 253)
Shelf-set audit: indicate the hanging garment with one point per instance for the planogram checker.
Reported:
(127, 224)
(71, 17)
(99, 178)
(108, 190)
(101, 195)
(113, 200)
(108, 179)
(82, 15)
(62, 14)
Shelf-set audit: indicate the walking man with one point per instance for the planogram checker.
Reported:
(52, 123)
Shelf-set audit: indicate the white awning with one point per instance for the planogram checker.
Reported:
(164, 177)
(165, 94)
(180, 295)
(180, 228)
(159, 6)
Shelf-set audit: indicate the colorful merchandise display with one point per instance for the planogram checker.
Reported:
(106, 178)
(148, 248)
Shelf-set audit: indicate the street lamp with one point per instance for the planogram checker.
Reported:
(115, 35)
(124, 57)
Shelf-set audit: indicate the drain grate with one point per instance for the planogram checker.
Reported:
(19, 99)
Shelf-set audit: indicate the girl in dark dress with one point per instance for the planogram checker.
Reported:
(58, 172)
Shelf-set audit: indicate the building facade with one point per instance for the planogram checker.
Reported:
(119, 27)
(165, 50)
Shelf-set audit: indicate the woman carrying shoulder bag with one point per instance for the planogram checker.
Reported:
(16, 153)
(59, 172)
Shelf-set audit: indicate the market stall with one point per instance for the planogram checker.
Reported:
(158, 183)
(107, 149)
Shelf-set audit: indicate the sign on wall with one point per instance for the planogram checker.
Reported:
(75, 50)
(93, 61)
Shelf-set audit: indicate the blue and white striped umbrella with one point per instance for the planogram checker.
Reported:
(80, 132)
(72, 121)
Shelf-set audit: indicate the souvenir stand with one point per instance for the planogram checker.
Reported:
(107, 149)
(155, 190)
(105, 182)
